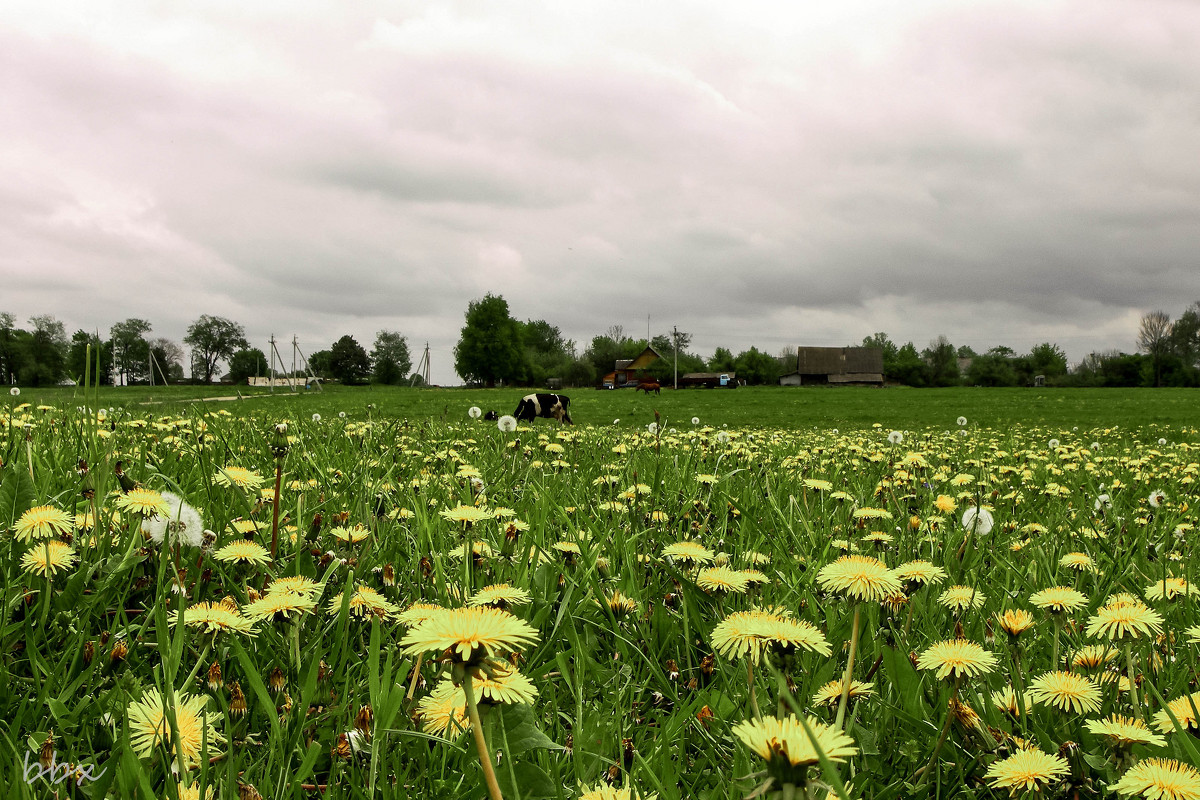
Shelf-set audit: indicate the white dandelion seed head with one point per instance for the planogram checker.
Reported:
(182, 525)
(672, 430)
(695, 420)
(474, 412)
(652, 428)
(978, 520)
(316, 417)
(615, 421)
(1161, 442)
(1156, 498)
(342, 414)
(895, 437)
(1053, 443)
(507, 423)
(1095, 445)
(962, 421)
(14, 391)
(833, 431)
(477, 485)
(1103, 501)
(962, 433)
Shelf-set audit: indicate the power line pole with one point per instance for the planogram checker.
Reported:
(675, 347)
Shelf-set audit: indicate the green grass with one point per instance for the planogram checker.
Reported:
(767, 407)
(643, 697)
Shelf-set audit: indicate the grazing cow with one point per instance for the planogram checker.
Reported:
(550, 406)
(648, 387)
(491, 416)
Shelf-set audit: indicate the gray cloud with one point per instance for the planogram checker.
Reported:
(1002, 172)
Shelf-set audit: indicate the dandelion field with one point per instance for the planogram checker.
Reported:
(277, 601)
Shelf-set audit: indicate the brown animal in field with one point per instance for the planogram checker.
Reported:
(648, 387)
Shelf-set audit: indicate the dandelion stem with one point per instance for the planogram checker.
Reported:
(841, 712)
(485, 759)
(927, 770)
(753, 696)
(412, 684)
(1133, 695)
(275, 509)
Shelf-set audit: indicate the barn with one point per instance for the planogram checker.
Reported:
(626, 372)
(862, 366)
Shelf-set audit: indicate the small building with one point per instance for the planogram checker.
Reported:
(629, 372)
(836, 365)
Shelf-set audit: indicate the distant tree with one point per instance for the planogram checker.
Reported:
(9, 361)
(722, 361)
(993, 368)
(1124, 369)
(320, 363)
(390, 358)
(890, 353)
(1047, 359)
(44, 361)
(942, 359)
(78, 354)
(756, 367)
(130, 350)
(909, 368)
(168, 360)
(1185, 344)
(247, 363)
(348, 361)
(1154, 339)
(489, 348)
(214, 339)
(547, 352)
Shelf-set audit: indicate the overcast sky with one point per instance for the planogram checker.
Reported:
(756, 173)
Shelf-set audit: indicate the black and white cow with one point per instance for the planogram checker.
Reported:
(550, 406)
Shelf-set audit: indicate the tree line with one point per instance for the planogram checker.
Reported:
(495, 348)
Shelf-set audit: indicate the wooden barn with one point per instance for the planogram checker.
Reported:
(836, 365)
(629, 371)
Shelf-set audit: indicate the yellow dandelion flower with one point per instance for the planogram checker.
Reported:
(1006, 700)
(1058, 599)
(1161, 779)
(244, 552)
(1169, 588)
(1093, 655)
(220, 617)
(1125, 731)
(921, 573)
(1125, 620)
(872, 513)
(365, 601)
(1067, 691)
(1027, 770)
(621, 604)
(831, 693)
(817, 484)
(465, 514)
(722, 580)
(784, 741)
(945, 504)
(238, 477)
(1078, 561)
(470, 634)
(47, 558)
(144, 502)
(500, 595)
(148, 726)
(859, 577)
(296, 584)
(443, 711)
(351, 535)
(42, 522)
(500, 683)
(960, 598)
(957, 658)
(688, 552)
(417, 612)
(279, 606)
(1014, 622)
(1184, 708)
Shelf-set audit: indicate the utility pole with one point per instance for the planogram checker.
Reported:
(675, 347)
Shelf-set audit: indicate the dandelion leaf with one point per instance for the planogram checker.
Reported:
(17, 495)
